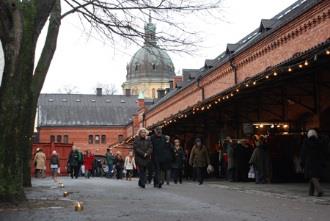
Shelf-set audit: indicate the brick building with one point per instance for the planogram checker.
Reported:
(92, 122)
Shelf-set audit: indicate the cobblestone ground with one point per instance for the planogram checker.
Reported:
(108, 199)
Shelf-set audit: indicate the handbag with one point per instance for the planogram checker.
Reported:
(210, 169)
(251, 174)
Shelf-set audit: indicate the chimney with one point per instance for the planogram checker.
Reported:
(98, 91)
(160, 93)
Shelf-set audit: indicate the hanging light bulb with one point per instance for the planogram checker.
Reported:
(306, 63)
(254, 83)
(237, 90)
(246, 85)
(300, 66)
(289, 69)
(327, 52)
(275, 73)
(267, 76)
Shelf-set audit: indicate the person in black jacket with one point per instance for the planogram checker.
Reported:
(312, 156)
(73, 162)
(168, 159)
(178, 161)
(142, 151)
(159, 145)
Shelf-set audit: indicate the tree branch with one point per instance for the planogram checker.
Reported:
(48, 50)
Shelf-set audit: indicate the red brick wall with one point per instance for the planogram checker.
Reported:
(306, 31)
(79, 136)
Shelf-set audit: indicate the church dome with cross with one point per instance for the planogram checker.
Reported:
(150, 68)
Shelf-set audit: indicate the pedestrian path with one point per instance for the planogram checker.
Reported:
(295, 191)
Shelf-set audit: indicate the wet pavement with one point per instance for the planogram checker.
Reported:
(108, 199)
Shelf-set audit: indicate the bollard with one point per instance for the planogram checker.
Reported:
(79, 206)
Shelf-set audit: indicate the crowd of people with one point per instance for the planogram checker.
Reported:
(155, 159)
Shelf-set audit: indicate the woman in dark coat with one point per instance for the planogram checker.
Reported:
(312, 156)
(178, 161)
(142, 150)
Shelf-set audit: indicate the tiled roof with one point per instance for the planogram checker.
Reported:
(85, 110)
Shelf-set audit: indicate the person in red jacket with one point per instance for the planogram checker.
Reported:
(88, 163)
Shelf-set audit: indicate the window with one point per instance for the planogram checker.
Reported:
(153, 67)
(90, 139)
(59, 139)
(65, 139)
(97, 139)
(120, 138)
(103, 139)
(153, 93)
(136, 67)
(52, 138)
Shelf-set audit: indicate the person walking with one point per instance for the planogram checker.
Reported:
(73, 162)
(168, 159)
(178, 161)
(40, 163)
(142, 147)
(54, 165)
(109, 160)
(312, 156)
(257, 161)
(129, 166)
(88, 163)
(119, 164)
(159, 155)
(199, 159)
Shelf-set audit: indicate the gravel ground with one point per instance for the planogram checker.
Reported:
(108, 199)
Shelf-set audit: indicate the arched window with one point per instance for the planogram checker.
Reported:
(90, 139)
(52, 138)
(97, 139)
(59, 139)
(103, 139)
(65, 139)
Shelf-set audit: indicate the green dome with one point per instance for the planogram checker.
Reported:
(150, 62)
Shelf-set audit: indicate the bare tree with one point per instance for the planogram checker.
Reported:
(68, 89)
(108, 89)
(21, 22)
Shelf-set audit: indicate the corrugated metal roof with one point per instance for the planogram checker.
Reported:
(85, 110)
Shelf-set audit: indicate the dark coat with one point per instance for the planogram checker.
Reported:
(199, 157)
(179, 158)
(142, 147)
(73, 158)
(160, 153)
(312, 157)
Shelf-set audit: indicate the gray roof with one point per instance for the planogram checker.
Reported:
(85, 110)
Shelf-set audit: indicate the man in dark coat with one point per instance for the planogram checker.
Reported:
(73, 162)
(159, 155)
(312, 156)
(142, 151)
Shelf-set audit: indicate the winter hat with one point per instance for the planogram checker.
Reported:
(312, 133)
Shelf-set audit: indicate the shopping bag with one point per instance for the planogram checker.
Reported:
(251, 174)
(210, 169)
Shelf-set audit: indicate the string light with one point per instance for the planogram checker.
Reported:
(267, 76)
(237, 90)
(300, 66)
(231, 94)
(254, 83)
(246, 85)
(327, 52)
(275, 73)
(289, 69)
(306, 63)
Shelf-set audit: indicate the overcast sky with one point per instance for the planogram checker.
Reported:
(83, 62)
